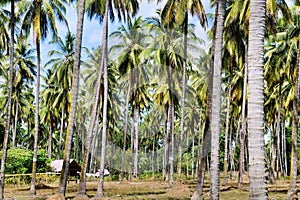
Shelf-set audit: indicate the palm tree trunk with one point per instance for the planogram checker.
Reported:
(62, 125)
(125, 130)
(206, 135)
(82, 182)
(231, 156)
(37, 117)
(131, 147)
(193, 150)
(93, 161)
(50, 140)
(216, 103)
(100, 193)
(273, 153)
(243, 132)
(187, 157)
(292, 193)
(166, 146)
(284, 156)
(199, 141)
(227, 130)
(16, 122)
(75, 86)
(171, 152)
(9, 101)
(136, 141)
(278, 133)
(153, 154)
(257, 186)
(94, 142)
(183, 97)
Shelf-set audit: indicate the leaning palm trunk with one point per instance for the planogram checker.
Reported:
(243, 132)
(100, 193)
(82, 183)
(37, 118)
(9, 101)
(258, 187)
(292, 193)
(216, 103)
(183, 97)
(75, 88)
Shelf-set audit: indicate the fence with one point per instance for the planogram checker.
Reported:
(25, 179)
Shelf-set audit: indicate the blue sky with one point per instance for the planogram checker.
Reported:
(92, 33)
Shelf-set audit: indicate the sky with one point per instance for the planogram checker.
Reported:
(92, 33)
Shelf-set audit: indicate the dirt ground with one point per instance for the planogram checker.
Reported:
(145, 190)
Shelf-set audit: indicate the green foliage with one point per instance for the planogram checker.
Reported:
(19, 161)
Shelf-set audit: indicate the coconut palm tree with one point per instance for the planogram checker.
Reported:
(75, 89)
(4, 32)
(258, 187)
(130, 45)
(9, 105)
(178, 11)
(104, 63)
(295, 38)
(216, 101)
(61, 62)
(96, 8)
(24, 77)
(39, 15)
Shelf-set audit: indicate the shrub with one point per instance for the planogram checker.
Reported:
(19, 161)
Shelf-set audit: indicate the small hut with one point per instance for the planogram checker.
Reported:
(74, 167)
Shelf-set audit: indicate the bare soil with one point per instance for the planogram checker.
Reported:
(145, 190)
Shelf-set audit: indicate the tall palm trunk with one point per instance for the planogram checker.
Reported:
(257, 186)
(193, 148)
(292, 193)
(183, 96)
(125, 130)
(243, 132)
(50, 140)
(37, 116)
(94, 142)
(75, 87)
(15, 121)
(227, 130)
(279, 169)
(82, 183)
(206, 135)
(153, 154)
(171, 152)
(166, 146)
(131, 147)
(136, 140)
(62, 125)
(278, 138)
(284, 153)
(99, 193)
(216, 103)
(9, 101)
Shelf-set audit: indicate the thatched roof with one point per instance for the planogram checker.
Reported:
(56, 165)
